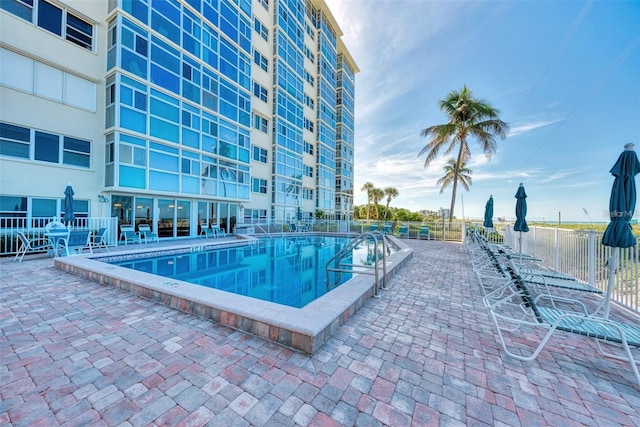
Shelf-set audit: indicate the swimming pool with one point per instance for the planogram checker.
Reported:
(304, 329)
(284, 270)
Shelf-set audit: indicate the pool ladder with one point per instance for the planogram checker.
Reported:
(336, 264)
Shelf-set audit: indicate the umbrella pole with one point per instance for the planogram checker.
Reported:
(613, 266)
(520, 245)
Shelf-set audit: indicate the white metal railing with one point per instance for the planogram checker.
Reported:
(581, 254)
(35, 226)
(337, 265)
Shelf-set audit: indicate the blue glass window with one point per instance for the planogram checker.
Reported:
(165, 130)
(14, 140)
(134, 63)
(20, 8)
(50, 17)
(165, 79)
(164, 55)
(131, 177)
(163, 161)
(133, 120)
(137, 8)
(47, 147)
(165, 27)
(164, 110)
(163, 181)
(76, 152)
(43, 207)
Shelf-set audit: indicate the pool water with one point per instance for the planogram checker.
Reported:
(283, 270)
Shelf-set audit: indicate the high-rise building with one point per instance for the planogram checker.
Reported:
(175, 112)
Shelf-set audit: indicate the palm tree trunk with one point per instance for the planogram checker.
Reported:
(453, 198)
(456, 176)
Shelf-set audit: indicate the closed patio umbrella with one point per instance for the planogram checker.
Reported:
(521, 213)
(622, 204)
(69, 216)
(488, 213)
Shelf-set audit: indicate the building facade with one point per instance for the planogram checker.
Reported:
(176, 113)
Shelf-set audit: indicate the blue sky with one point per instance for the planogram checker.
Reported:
(565, 75)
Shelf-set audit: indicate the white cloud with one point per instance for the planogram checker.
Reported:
(528, 127)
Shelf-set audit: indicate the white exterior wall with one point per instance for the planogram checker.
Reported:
(258, 138)
(42, 179)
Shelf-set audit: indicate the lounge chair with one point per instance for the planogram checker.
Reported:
(305, 227)
(424, 233)
(293, 228)
(373, 227)
(31, 245)
(403, 231)
(99, 240)
(514, 310)
(568, 283)
(146, 234)
(129, 235)
(387, 228)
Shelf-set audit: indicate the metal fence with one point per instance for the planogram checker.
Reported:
(575, 252)
(581, 254)
(35, 226)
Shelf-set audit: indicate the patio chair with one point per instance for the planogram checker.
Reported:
(293, 227)
(424, 232)
(387, 228)
(33, 245)
(77, 241)
(99, 240)
(373, 227)
(129, 235)
(403, 232)
(206, 231)
(516, 311)
(218, 232)
(147, 234)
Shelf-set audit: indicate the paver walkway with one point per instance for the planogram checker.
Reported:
(74, 352)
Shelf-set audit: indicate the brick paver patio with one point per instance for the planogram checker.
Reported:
(77, 353)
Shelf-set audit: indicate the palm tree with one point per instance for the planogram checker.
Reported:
(468, 117)
(377, 194)
(464, 175)
(368, 186)
(391, 193)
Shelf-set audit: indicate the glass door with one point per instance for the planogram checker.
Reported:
(144, 212)
(166, 218)
(224, 217)
(183, 216)
(202, 217)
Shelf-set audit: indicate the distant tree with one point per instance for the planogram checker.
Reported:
(391, 194)
(464, 175)
(468, 117)
(319, 214)
(377, 194)
(368, 186)
(359, 212)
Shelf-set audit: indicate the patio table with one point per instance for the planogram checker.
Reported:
(57, 237)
